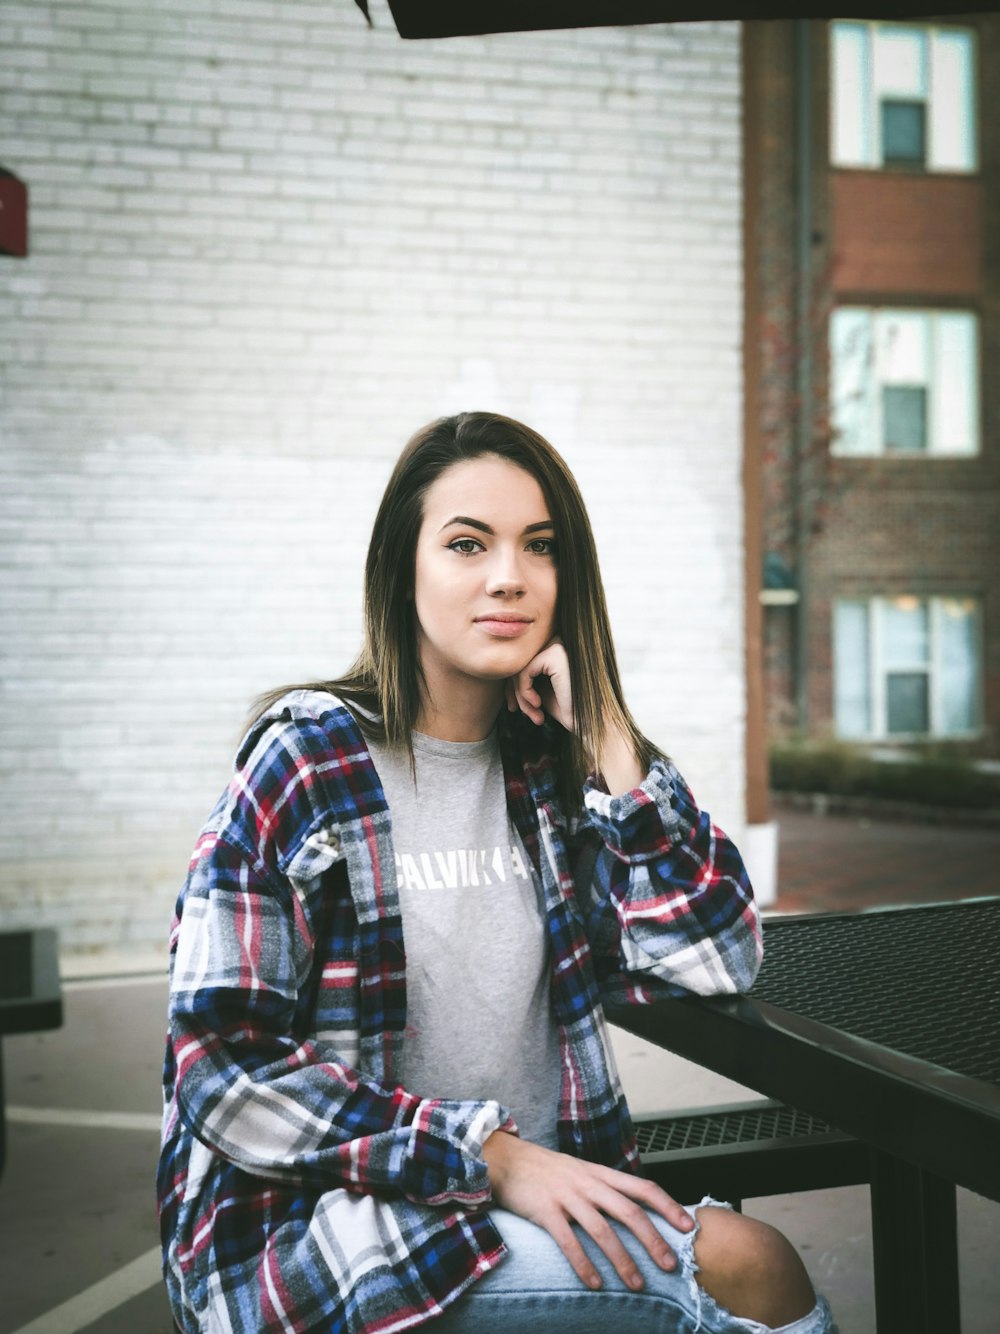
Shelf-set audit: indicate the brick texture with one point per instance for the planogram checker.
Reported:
(866, 527)
(267, 243)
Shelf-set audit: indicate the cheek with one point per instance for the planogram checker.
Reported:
(431, 610)
(552, 598)
(437, 593)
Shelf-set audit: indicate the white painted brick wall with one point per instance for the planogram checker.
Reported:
(267, 244)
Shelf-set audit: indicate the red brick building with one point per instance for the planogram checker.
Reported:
(873, 322)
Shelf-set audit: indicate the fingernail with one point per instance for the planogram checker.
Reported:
(635, 1281)
(594, 1281)
(667, 1260)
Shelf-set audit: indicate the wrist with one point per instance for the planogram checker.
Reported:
(497, 1149)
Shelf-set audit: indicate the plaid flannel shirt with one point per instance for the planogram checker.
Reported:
(300, 1188)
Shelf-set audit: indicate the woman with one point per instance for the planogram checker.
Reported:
(354, 1138)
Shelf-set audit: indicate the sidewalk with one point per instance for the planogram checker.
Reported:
(77, 1210)
(839, 863)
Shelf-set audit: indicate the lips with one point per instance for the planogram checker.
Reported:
(504, 625)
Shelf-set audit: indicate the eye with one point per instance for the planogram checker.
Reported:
(542, 546)
(465, 546)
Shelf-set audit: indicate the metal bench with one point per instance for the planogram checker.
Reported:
(745, 1149)
(30, 994)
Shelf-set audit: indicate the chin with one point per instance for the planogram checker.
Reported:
(499, 668)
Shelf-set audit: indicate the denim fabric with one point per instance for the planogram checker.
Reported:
(535, 1289)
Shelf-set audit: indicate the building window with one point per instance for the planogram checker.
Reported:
(903, 96)
(904, 382)
(906, 667)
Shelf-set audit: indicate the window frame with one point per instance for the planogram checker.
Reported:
(878, 672)
(871, 120)
(872, 390)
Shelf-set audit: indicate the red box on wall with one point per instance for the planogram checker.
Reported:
(13, 215)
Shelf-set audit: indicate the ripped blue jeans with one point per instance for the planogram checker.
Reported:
(535, 1290)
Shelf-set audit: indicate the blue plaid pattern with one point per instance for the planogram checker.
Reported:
(300, 1188)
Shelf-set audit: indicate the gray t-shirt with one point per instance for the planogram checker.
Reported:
(479, 1013)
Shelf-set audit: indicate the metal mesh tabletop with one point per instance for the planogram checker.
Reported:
(923, 981)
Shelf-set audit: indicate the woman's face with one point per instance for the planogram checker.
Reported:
(485, 574)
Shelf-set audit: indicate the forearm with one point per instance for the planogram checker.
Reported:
(618, 764)
(670, 894)
(310, 1119)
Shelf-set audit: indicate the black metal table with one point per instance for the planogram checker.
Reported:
(885, 1023)
(30, 995)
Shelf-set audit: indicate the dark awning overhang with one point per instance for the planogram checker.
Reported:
(464, 18)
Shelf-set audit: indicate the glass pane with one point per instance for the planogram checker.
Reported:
(904, 629)
(852, 703)
(904, 418)
(906, 702)
(852, 381)
(900, 62)
(955, 401)
(957, 677)
(903, 134)
(850, 119)
(902, 338)
(953, 121)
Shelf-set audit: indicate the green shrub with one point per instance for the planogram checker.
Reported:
(842, 770)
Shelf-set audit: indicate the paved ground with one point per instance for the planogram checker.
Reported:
(79, 1251)
(840, 863)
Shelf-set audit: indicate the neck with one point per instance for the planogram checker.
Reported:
(469, 714)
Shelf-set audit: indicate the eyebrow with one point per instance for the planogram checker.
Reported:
(466, 522)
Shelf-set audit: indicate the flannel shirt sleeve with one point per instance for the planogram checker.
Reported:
(257, 1086)
(671, 907)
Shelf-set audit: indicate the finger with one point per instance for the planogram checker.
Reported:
(604, 1235)
(514, 690)
(532, 711)
(524, 679)
(541, 687)
(568, 1242)
(637, 1220)
(667, 1207)
(531, 693)
(648, 1193)
(550, 670)
(544, 663)
(528, 699)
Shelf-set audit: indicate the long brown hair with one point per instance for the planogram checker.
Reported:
(386, 677)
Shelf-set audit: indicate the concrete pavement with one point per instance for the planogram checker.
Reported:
(839, 863)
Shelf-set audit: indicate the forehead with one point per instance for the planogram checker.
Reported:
(484, 487)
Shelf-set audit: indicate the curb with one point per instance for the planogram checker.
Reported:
(878, 808)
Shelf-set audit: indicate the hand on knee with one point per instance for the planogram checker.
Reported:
(750, 1268)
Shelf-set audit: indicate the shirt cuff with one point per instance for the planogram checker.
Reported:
(646, 821)
(469, 1183)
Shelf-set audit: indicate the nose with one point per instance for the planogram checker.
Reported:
(505, 578)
